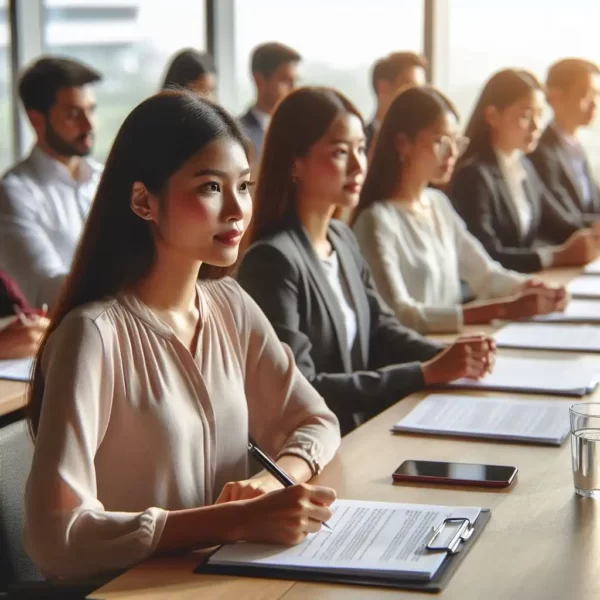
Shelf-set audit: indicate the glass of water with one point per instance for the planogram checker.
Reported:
(585, 448)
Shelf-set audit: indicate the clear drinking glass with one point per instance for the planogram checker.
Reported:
(585, 448)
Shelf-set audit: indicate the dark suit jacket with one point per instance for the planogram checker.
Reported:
(553, 164)
(284, 276)
(482, 198)
(370, 134)
(254, 131)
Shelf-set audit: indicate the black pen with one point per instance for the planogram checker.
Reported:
(274, 469)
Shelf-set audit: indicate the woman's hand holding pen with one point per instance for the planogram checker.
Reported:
(287, 515)
(21, 338)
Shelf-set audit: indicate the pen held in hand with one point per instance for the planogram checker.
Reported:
(275, 470)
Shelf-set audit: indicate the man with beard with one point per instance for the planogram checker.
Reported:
(45, 198)
(573, 88)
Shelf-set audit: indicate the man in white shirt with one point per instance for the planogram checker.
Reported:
(275, 72)
(45, 198)
(389, 75)
(574, 93)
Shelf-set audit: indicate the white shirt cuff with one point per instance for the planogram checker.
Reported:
(546, 257)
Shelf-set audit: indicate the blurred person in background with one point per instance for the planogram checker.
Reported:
(274, 69)
(389, 75)
(573, 90)
(192, 70)
(45, 198)
(497, 191)
(21, 326)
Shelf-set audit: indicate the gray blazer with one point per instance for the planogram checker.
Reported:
(284, 276)
(253, 130)
(553, 165)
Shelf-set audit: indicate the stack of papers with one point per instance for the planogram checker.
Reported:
(19, 369)
(593, 268)
(538, 336)
(375, 539)
(569, 375)
(502, 418)
(585, 287)
(577, 311)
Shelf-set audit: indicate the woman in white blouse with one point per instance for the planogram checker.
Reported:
(418, 248)
(149, 383)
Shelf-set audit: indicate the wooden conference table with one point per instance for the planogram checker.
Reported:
(543, 542)
(13, 396)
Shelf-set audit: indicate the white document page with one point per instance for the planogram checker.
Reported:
(585, 338)
(585, 287)
(18, 369)
(568, 374)
(374, 538)
(593, 268)
(500, 418)
(577, 311)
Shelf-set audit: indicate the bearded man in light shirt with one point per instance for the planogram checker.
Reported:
(45, 198)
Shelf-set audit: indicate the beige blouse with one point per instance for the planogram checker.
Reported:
(133, 425)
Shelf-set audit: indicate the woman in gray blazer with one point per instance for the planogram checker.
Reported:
(305, 270)
(497, 191)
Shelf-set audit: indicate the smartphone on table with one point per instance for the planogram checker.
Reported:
(426, 471)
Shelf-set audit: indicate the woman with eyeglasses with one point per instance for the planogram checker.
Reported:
(416, 245)
(305, 270)
(497, 191)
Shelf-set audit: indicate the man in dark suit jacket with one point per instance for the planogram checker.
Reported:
(573, 91)
(275, 73)
(389, 74)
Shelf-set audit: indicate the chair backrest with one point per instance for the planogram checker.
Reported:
(16, 453)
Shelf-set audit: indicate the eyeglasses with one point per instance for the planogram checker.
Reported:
(446, 146)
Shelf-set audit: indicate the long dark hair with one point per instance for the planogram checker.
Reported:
(300, 120)
(185, 67)
(117, 247)
(414, 109)
(502, 89)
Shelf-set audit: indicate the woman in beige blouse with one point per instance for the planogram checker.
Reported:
(418, 248)
(149, 383)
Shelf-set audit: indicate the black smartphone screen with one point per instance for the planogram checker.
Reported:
(456, 471)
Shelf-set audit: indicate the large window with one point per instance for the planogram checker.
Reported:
(515, 33)
(129, 42)
(6, 139)
(339, 40)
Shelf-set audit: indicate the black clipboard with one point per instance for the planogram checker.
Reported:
(435, 585)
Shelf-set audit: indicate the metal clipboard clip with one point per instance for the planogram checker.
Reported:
(464, 532)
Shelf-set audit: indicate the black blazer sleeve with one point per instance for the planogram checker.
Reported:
(556, 224)
(549, 170)
(273, 281)
(473, 200)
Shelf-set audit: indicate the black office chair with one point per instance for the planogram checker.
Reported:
(19, 577)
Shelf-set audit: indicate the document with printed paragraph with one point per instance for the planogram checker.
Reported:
(18, 369)
(548, 336)
(577, 311)
(369, 538)
(569, 375)
(585, 286)
(501, 418)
